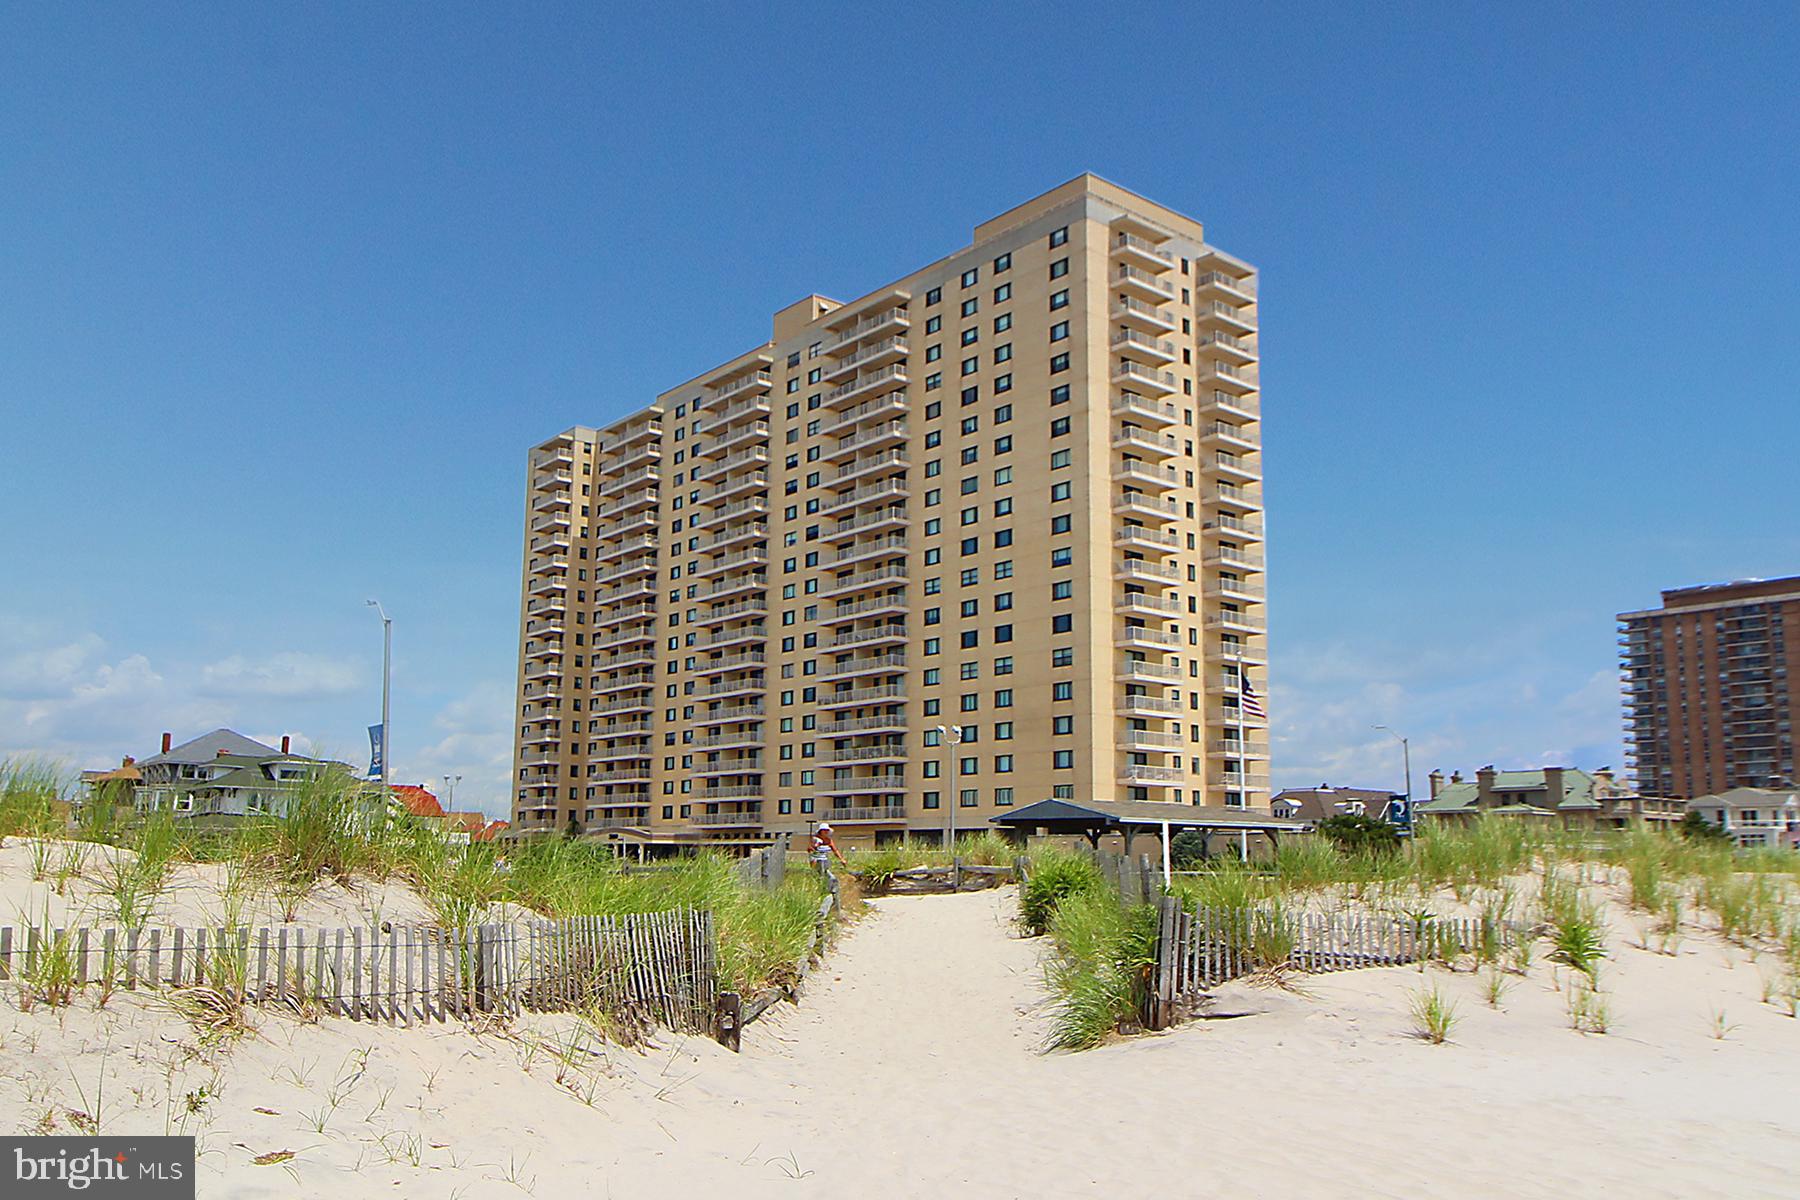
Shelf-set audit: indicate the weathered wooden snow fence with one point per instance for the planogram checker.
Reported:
(662, 966)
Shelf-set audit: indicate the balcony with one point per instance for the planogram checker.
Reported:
(891, 602)
(719, 614)
(743, 764)
(891, 405)
(1232, 498)
(630, 457)
(851, 726)
(879, 577)
(733, 687)
(886, 463)
(624, 683)
(1225, 378)
(646, 477)
(642, 521)
(1143, 284)
(1239, 781)
(1227, 348)
(1235, 467)
(618, 662)
(887, 753)
(1130, 248)
(733, 637)
(752, 459)
(753, 506)
(1227, 318)
(625, 706)
(891, 376)
(633, 775)
(755, 407)
(1144, 604)
(1224, 684)
(551, 544)
(756, 381)
(1134, 373)
(632, 566)
(736, 739)
(888, 693)
(887, 814)
(879, 664)
(1234, 589)
(1142, 637)
(731, 439)
(559, 521)
(631, 502)
(544, 585)
(1147, 474)
(1135, 671)
(557, 457)
(881, 784)
(647, 429)
(892, 517)
(560, 498)
(1138, 345)
(1234, 559)
(1137, 570)
(1145, 739)
(886, 489)
(881, 547)
(614, 614)
(1233, 748)
(553, 564)
(596, 824)
(1149, 706)
(1139, 315)
(1217, 285)
(755, 660)
(1131, 405)
(734, 535)
(888, 435)
(1238, 527)
(876, 635)
(1133, 438)
(631, 544)
(1152, 539)
(548, 670)
(755, 556)
(1139, 775)
(1224, 433)
(870, 355)
(1231, 404)
(885, 321)
(731, 714)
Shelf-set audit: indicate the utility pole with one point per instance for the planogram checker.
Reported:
(387, 675)
(1406, 765)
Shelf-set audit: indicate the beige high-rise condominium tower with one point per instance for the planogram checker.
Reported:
(989, 535)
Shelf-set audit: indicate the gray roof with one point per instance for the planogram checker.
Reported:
(1112, 813)
(206, 747)
(1746, 797)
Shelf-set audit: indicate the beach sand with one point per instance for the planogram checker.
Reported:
(912, 1067)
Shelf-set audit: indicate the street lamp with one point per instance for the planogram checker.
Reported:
(952, 737)
(450, 782)
(387, 671)
(1406, 761)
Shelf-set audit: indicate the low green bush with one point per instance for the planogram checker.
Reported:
(1055, 875)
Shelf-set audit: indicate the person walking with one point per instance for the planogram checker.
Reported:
(823, 848)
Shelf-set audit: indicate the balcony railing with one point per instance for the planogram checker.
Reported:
(881, 663)
(758, 380)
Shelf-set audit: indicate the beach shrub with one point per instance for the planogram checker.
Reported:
(1433, 1016)
(1354, 833)
(1187, 850)
(1697, 828)
(1100, 971)
(1054, 876)
(1580, 940)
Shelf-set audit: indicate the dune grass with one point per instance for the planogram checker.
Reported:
(1100, 970)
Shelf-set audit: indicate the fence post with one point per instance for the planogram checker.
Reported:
(1163, 997)
(728, 1020)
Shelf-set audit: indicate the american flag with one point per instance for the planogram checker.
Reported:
(1249, 701)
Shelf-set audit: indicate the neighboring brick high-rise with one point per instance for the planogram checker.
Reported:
(1709, 688)
(1016, 493)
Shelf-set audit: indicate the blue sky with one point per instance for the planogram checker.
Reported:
(285, 297)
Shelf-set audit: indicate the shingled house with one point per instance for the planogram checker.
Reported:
(224, 775)
(1574, 797)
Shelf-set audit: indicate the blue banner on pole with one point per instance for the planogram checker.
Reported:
(377, 735)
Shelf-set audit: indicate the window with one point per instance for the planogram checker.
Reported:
(971, 638)
(933, 352)
(934, 616)
(1059, 237)
(1063, 657)
(1059, 362)
(1003, 666)
(971, 425)
(970, 702)
(933, 676)
(1059, 491)
(1059, 394)
(971, 335)
(933, 324)
(1003, 507)
(970, 515)
(1059, 459)
(1059, 332)
(971, 577)
(971, 608)
(1003, 383)
(1063, 760)
(1061, 523)
(933, 645)
(1003, 698)
(1003, 797)
(1003, 353)
(970, 670)
(1062, 589)
(971, 545)
(1061, 556)
(971, 276)
(971, 365)
(1062, 623)
(970, 485)
(934, 468)
(1003, 569)
(933, 296)
(1062, 725)
(1003, 263)
(934, 381)
(1002, 539)
(1002, 476)
(1059, 427)
(1059, 268)
(970, 307)
(1059, 299)
(1062, 689)
(1003, 601)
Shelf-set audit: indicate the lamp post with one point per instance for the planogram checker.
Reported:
(953, 737)
(450, 782)
(1406, 763)
(387, 671)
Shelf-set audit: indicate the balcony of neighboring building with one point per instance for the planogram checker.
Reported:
(555, 522)
(1147, 539)
(865, 814)
(1226, 285)
(540, 758)
(1224, 587)
(730, 714)
(726, 663)
(737, 686)
(882, 492)
(1139, 440)
(876, 577)
(621, 775)
(720, 471)
(559, 456)
(1134, 374)
(888, 517)
(642, 565)
(1143, 504)
(552, 624)
(741, 584)
(1150, 739)
(751, 606)
(865, 665)
(623, 683)
(1139, 314)
(543, 691)
(630, 457)
(876, 547)
(1234, 558)
(636, 523)
(1144, 637)
(1228, 435)
(750, 508)
(1140, 473)
(1132, 406)
(881, 408)
(739, 635)
(752, 408)
(1141, 346)
(867, 357)
(625, 505)
(872, 466)
(549, 606)
(1141, 284)
(1224, 317)
(728, 764)
(1148, 574)
(854, 697)
(639, 480)
(602, 819)
(547, 501)
(747, 559)
(1240, 528)
(730, 487)
(617, 610)
(634, 635)
(1230, 405)
(562, 479)
(1138, 603)
(544, 584)
(742, 818)
(1228, 347)
(750, 383)
(731, 446)
(1147, 775)
(1142, 705)
(891, 376)
(883, 322)
(1245, 468)
(880, 752)
(733, 739)
(885, 604)
(1141, 252)
(1228, 714)
(638, 656)
(887, 436)
(550, 564)
(629, 704)
(740, 792)
(632, 543)
(1236, 748)
(886, 722)
(1136, 670)
(1232, 497)
(1224, 377)
(877, 783)
(543, 658)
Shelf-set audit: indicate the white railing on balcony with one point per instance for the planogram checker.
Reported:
(886, 812)
(1133, 568)
(1128, 339)
(892, 402)
(856, 754)
(1133, 669)
(857, 637)
(858, 523)
(734, 635)
(887, 487)
(1138, 535)
(878, 604)
(893, 372)
(1140, 602)
(1143, 279)
(1133, 370)
(887, 691)
(893, 458)
(1229, 342)
(857, 666)
(892, 572)
(620, 505)
(855, 725)
(731, 412)
(1151, 704)
(1132, 241)
(874, 434)
(865, 327)
(875, 350)
(1138, 773)
(756, 379)
(1150, 740)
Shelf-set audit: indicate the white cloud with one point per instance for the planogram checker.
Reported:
(475, 742)
(288, 676)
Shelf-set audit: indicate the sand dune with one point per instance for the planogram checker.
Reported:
(912, 1069)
